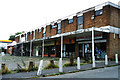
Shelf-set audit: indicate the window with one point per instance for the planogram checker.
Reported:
(80, 22)
(44, 31)
(26, 37)
(99, 12)
(59, 28)
(30, 33)
(70, 21)
(53, 26)
(43, 34)
(39, 30)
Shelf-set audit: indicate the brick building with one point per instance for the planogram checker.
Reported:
(76, 33)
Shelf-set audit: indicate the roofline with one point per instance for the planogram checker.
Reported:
(76, 14)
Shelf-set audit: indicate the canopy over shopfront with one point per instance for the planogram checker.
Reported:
(81, 32)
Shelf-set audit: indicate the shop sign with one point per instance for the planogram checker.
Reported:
(66, 41)
(49, 43)
(97, 36)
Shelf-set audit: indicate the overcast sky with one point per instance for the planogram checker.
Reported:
(24, 15)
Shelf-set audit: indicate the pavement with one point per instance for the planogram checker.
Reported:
(53, 71)
(108, 72)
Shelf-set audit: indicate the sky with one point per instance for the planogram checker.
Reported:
(25, 15)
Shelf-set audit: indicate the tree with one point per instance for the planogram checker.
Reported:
(12, 37)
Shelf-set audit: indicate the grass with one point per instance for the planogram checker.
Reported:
(26, 69)
(50, 66)
(75, 64)
(6, 72)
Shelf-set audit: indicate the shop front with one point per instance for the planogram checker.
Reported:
(85, 45)
(68, 47)
(49, 49)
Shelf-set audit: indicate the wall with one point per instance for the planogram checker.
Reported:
(38, 34)
(65, 27)
(99, 21)
(112, 45)
(114, 17)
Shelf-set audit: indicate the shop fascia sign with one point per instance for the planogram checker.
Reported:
(49, 43)
(89, 37)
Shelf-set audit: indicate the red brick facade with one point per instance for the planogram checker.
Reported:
(109, 17)
(113, 45)
(38, 33)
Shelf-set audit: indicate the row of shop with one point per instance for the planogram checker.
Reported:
(78, 45)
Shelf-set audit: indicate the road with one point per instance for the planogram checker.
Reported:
(109, 72)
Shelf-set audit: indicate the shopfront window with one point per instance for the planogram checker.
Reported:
(100, 50)
(85, 50)
(50, 51)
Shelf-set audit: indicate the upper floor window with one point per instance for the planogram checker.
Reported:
(30, 33)
(53, 26)
(70, 21)
(39, 30)
(98, 12)
(59, 28)
(44, 31)
(80, 20)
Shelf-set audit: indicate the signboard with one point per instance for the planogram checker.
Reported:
(66, 41)
(89, 37)
(49, 43)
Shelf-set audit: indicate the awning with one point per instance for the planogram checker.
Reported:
(107, 29)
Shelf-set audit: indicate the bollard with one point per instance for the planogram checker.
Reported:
(39, 72)
(94, 62)
(60, 65)
(106, 60)
(116, 58)
(78, 63)
(31, 66)
(4, 68)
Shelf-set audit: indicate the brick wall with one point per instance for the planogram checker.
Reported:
(76, 49)
(53, 31)
(65, 27)
(28, 36)
(114, 17)
(112, 45)
(38, 34)
(48, 31)
(99, 21)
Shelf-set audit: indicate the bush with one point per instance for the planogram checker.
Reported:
(51, 66)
